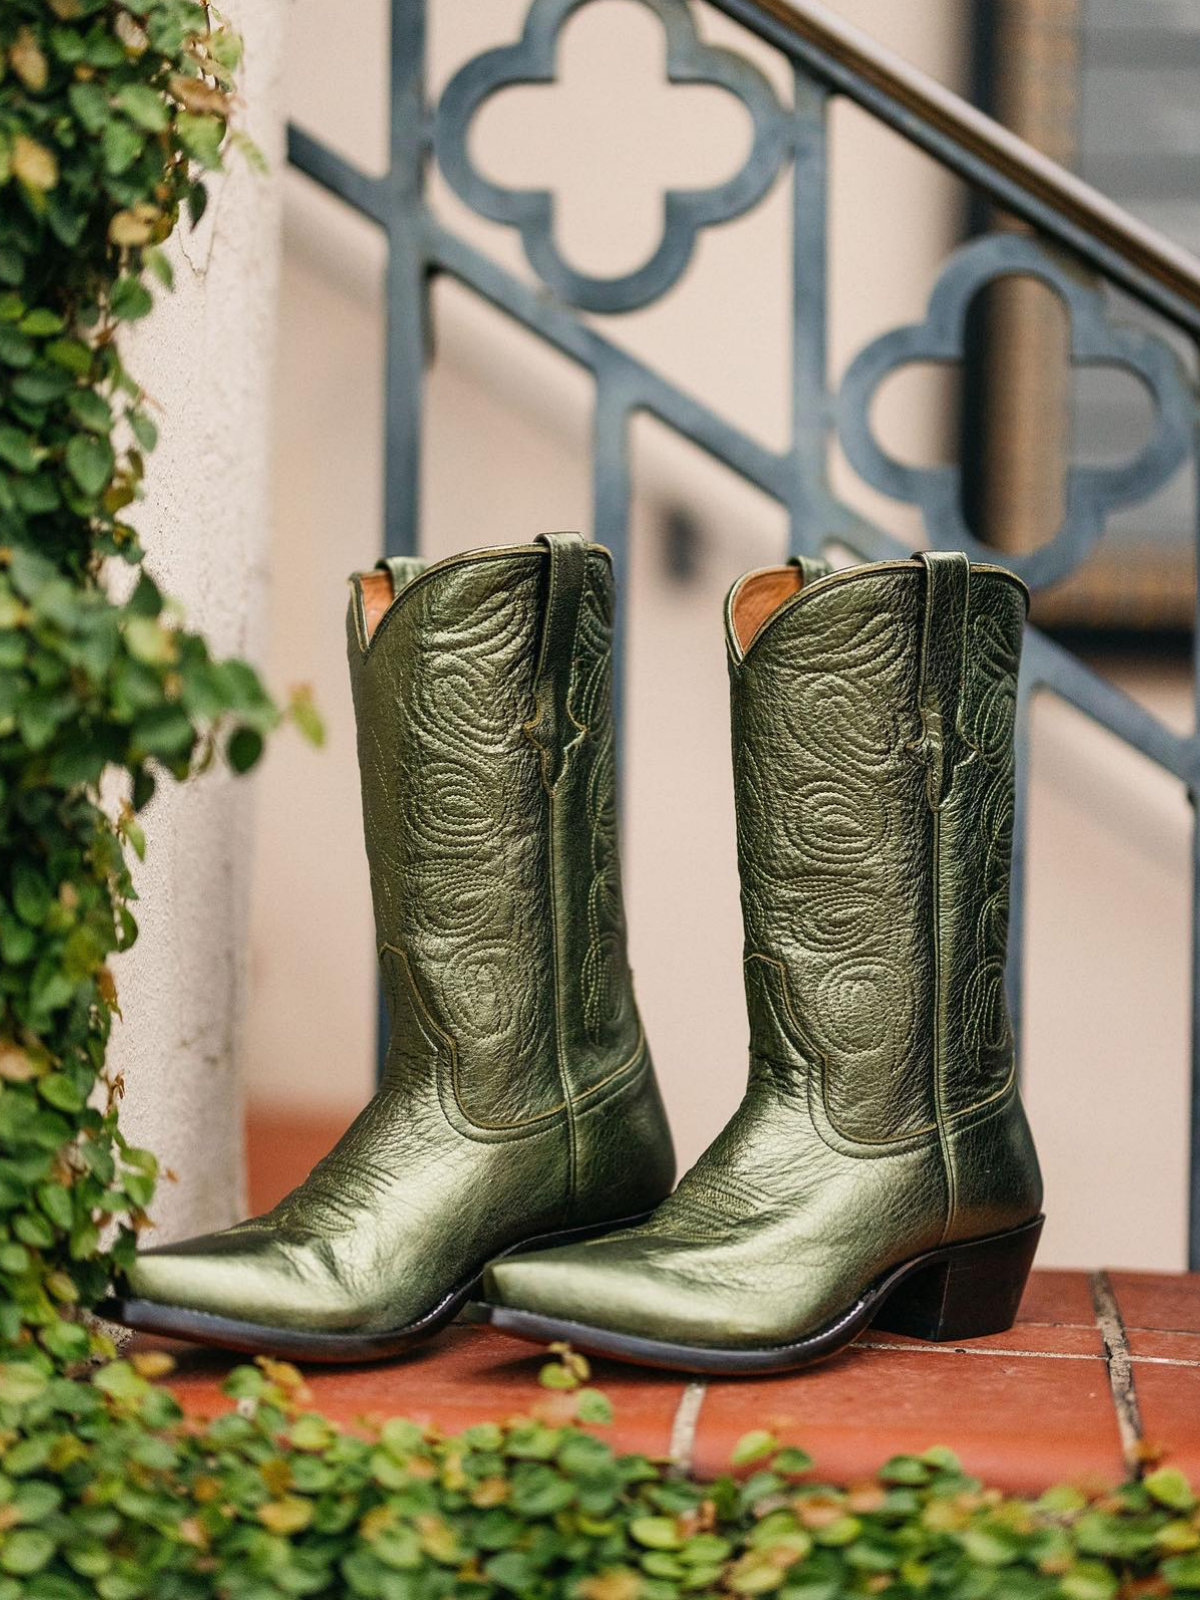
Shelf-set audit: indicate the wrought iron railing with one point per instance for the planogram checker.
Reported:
(1069, 227)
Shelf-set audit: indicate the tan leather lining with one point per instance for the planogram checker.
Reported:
(759, 596)
(377, 596)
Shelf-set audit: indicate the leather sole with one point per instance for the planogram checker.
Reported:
(961, 1291)
(257, 1338)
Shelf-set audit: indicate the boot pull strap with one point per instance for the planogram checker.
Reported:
(553, 729)
(810, 568)
(403, 569)
(943, 745)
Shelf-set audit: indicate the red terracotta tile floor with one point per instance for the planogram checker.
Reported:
(1099, 1369)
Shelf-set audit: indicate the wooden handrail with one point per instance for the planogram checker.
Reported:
(963, 137)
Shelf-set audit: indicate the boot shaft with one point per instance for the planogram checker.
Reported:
(486, 750)
(873, 751)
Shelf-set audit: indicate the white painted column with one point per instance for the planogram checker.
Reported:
(206, 357)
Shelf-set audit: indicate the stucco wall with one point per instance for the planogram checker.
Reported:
(206, 357)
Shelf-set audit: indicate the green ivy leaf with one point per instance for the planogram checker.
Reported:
(26, 1551)
(130, 299)
(244, 748)
(41, 384)
(160, 265)
(753, 1446)
(90, 104)
(225, 47)
(14, 1258)
(58, 1091)
(1170, 1488)
(512, 1570)
(20, 1382)
(16, 942)
(17, 450)
(593, 1407)
(202, 137)
(71, 354)
(146, 599)
(555, 1376)
(197, 203)
(30, 894)
(149, 641)
(16, 349)
(1089, 1581)
(144, 430)
(92, 410)
(90, 462)
(41, 322)
(143, 788)
(122, 144)
(35, 1500)
(120, 1380)
(656, 1533)
(1182, 1572)
(36, 1232)
(56, 1202)
(66, 1341)
(144, 106)
(905, 1470)
(165, 731)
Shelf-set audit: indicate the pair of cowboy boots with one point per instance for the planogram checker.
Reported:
(879, 1168)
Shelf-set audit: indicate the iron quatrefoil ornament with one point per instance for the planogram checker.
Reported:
(1093, 492)
(685, 211)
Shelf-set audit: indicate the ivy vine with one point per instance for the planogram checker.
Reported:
(112, 118)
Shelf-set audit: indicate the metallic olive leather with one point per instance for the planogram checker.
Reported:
(873, 765)
(518, 1096)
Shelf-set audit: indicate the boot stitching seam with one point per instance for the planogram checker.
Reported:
(526, 1124)
(816, 1058)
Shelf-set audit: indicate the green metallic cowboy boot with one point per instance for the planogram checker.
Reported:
(880, 1168)
(518, 1103)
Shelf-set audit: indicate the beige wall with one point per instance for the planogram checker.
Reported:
(506, 455)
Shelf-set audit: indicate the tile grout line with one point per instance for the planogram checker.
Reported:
(949, 1349)
(1120, 1369)
(1023, 1355)
(683, 1429)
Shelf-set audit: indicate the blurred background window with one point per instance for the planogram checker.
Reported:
(1108, 89)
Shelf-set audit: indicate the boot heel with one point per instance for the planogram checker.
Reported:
(969, 1291)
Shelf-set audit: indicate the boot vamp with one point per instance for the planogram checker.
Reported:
(771, 1236)
(402, 1212)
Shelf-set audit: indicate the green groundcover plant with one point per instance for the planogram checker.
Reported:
(106, 1491)
(112, 114)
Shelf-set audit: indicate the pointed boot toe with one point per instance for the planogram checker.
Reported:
(538, 1283)
(603, 1297)
(634, 1295)
(186, 1274)
(240, 1272)
(580, 1284)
